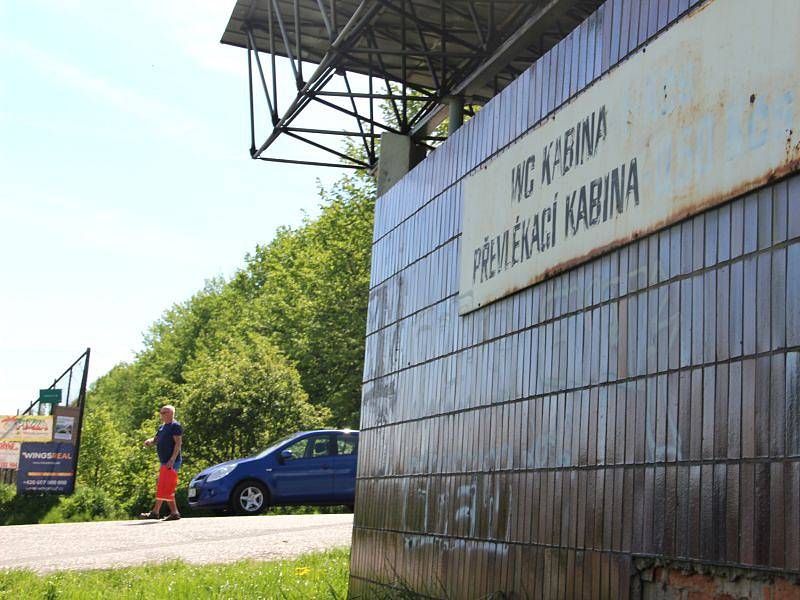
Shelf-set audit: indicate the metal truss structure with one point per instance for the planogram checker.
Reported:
(386, 65)
(72, 383)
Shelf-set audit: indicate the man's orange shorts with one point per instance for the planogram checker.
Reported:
(167, 483)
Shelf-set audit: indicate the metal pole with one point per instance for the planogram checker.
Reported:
(376, 96)
(371, 114)
(298, 43)
(272, 57)
(424, 45)
(382, 66)
(340, 132)
(285, 37)
(355, 110)
(252, 42)
(403, 69)
(354, 115)
(309, 162)
(325, 20)
(443, 46)
(326, 149)
(82, 400)
(347, 133)
(69, 388)
(250, 89)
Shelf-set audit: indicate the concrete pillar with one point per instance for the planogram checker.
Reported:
(399, 154)
(456, 113)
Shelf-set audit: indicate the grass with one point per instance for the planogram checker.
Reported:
(318, 575)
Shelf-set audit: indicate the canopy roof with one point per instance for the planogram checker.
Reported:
(429, 49)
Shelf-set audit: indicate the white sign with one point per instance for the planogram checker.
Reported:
(706, 112)
(9, 455)
(64, 426)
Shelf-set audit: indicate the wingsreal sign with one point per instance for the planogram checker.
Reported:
(693, 119)
(46, 467)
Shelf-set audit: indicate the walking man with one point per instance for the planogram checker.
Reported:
(168, 440)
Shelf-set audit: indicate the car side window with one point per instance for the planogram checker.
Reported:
(319, 447)
(298, 449)
(346, 444)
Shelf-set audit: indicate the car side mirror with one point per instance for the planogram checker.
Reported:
(286, 455)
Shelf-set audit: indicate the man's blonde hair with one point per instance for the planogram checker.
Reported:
(170, 408)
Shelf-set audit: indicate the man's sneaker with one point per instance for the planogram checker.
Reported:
(172, 517)
(149, 515)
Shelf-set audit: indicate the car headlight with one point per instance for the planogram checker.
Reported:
(220, 473)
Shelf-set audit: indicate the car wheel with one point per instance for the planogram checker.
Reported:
(250, 498)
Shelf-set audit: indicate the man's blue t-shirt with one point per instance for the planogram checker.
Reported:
(165, 443)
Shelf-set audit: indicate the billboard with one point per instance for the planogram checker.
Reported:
(692, 119)
(46, 467)
(9, 455)
(26, 428)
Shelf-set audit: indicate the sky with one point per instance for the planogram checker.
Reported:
(125, 178)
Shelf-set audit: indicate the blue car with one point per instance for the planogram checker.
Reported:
(310, 467)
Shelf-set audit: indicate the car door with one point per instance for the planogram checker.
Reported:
(344, 467)
(308, 476)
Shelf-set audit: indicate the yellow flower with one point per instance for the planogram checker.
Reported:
(302, 571)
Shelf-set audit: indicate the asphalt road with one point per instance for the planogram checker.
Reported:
(45, 548)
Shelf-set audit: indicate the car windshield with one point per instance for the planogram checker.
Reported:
(274, 446)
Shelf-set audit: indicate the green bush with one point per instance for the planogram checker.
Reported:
(7, 493)
(24, 509)
(86, 504)
(89, 504)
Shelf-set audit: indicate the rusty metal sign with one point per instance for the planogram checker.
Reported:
(696, 117)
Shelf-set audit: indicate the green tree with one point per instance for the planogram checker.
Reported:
(240, 398)
(103, 448)
(309, 290)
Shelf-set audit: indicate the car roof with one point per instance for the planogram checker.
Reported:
(328, 431)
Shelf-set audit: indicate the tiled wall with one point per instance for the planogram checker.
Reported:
(643, 403)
